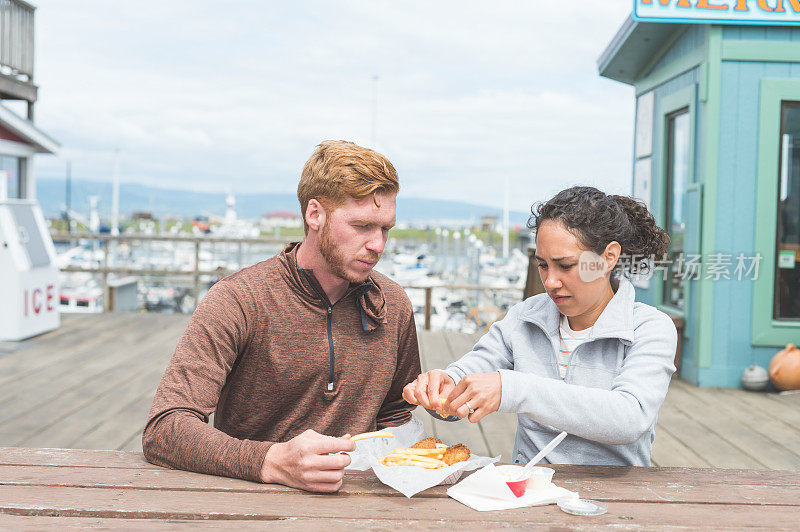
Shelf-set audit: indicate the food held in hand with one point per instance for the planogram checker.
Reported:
(429, 453)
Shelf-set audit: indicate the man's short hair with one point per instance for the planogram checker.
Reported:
(338, 170)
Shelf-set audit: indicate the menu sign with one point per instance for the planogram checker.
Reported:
(760, 12)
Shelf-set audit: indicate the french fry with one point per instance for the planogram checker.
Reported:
(421, 452)
(426, 459)
(377, 434)
(401, 462)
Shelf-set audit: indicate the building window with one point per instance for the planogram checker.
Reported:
(9, 170)
(676, 180)
(787, 261)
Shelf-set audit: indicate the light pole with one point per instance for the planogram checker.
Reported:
(374, 110)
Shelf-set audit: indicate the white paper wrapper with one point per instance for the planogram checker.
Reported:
(408, 480)
(486, 490)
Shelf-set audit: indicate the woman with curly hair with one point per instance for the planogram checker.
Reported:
(584, 357)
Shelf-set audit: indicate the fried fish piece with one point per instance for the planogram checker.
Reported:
(427, 443)
(456, 453)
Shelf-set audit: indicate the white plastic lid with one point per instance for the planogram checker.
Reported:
(581, 506)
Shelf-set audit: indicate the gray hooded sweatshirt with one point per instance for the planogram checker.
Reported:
(614, 385)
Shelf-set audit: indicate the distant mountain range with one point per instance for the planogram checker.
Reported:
(51, 194)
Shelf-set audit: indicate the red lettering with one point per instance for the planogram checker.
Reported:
(741, 5)
(703, 4)
(762, 4)
(780, 9)
(49, 297)
(37, 304)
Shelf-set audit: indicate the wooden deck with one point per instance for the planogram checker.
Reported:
(90, 384)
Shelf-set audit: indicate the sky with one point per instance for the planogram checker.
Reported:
(208, 96)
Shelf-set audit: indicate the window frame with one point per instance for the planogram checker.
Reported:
(669, 190)
(766, 330)
(666, 106)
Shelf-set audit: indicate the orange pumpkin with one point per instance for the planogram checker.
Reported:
(784, 370)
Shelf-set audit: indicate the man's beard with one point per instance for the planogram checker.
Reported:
(336, 259)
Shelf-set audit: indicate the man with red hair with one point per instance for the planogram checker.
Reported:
(295, 350)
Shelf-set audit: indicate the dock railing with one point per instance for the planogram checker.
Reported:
(195, 273)
(104, 268)
(475, 289)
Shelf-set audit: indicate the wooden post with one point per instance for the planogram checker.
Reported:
(680, 324)
(106, 295)
(533, 283)
(428, 291)
(196, 272)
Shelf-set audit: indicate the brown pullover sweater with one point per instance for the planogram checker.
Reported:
(272, 357)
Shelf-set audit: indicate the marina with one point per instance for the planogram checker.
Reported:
(452, 287)
(90, 384)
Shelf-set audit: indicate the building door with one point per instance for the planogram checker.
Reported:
(678, 264)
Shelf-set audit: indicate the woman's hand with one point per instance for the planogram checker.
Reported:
(482, 391)
(427, 388)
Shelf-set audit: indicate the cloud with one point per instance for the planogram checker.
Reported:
(199, 95)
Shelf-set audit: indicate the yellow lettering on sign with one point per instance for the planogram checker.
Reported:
(703, 4)
(741, 5)
(795, 6)
(681, 3)
(764, 7)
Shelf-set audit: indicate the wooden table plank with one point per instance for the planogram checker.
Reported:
(20, 456)
(652, 490)
(23, 523)
(119, 489)
(74, 457)
(158, 504)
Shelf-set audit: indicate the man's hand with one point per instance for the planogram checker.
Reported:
(483, 391)
(428, 388)
(304, 462)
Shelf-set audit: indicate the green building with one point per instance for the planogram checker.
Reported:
(717, 158)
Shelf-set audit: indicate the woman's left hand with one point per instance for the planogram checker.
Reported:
(481, 390)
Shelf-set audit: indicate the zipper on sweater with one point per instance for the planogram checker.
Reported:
(329, 323)
(330, 349)
(329, 320)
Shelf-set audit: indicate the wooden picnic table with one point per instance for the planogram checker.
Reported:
(63, 488)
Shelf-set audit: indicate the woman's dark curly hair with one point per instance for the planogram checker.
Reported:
(597, 219)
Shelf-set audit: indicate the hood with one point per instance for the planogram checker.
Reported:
(616, 320)
(368, 296)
